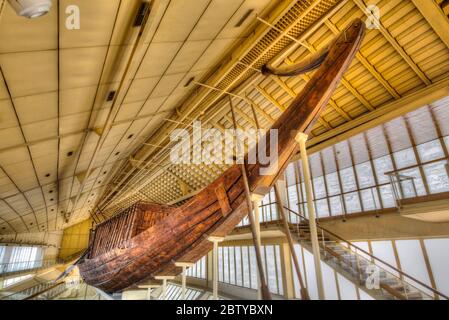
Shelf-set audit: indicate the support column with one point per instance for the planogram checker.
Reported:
(280, 190)
(150, 288)
(184, 266)
(164, 284)
(215, 241)
(301, 138)
(287, 272)
(210, 269)
(257, 200)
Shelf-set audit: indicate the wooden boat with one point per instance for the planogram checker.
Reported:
(145, 240)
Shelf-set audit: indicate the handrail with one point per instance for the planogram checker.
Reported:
(23, 266)
(370, 255)
(24, 290)
(43, 291)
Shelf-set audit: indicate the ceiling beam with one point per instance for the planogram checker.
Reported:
(435, 17)
(362, 6)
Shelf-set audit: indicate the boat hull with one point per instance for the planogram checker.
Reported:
(182, 235)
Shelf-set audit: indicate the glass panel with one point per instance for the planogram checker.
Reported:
(238, 266)
(383, 250)
(279, 269)
(321, 208)
(370, 199)
(430, 151)
(332, 183)
(365, 175)
(436, 174)
(330, 286)
(352, 202)
(404, 158)
(252, 254)
(245, 258)
(226, 265)
(348, 179)
(438, 252)
(336, 205)
(412, 262)
(231, 266)
(319, 187)
(408, 187)
(382, 165)
(220, 264)
(311, 278)
(387, 196)
(272, 281)
(347, 289)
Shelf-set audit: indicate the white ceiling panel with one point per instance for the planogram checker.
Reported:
(190, 52)
(36, 108)
(97, 20)
(30, 73)
(41, 34)
(158, 58)
(84, 65)
(179, 20)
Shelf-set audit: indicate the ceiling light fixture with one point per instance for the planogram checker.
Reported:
(31, 8)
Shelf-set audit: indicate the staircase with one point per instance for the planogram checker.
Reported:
(360, 267)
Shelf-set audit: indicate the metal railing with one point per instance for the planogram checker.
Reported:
(393, 284)
(32, 291)
(402, 186)
(16, 267)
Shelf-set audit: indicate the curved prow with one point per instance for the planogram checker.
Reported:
(309, 64)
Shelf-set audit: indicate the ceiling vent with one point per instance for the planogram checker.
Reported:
(31, 8)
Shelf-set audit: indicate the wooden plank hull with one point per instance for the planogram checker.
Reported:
(181, 233)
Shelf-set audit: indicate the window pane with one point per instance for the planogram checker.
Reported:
(412, 262)
(365, 175)
(382, 165)
(352, 202)
(438, 252)
(370, 199)
(409, 186)
(430, 151)
(437, 179)
(404, 158)
(336, 205)
(387, 196)
(321, 208)
(319, 187)
(332, 183)
(348, 179)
